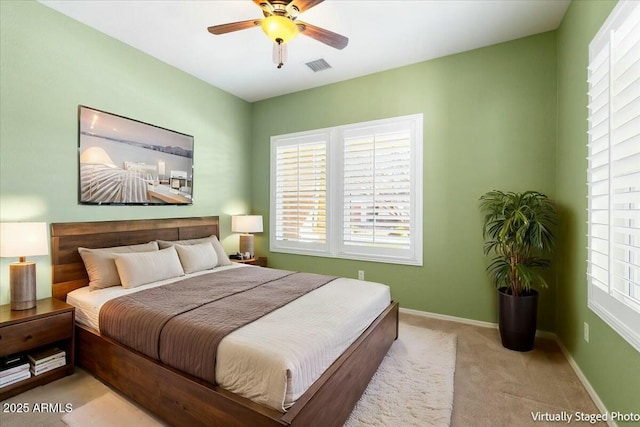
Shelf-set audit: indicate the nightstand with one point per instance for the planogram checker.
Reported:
(260, 261)
(49, 323)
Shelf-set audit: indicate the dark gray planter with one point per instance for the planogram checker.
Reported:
(518, 319)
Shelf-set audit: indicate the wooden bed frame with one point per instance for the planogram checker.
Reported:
(183, 400)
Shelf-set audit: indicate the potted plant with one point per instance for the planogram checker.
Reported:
(517, 230)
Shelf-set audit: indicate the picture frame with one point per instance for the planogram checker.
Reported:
(124, 161)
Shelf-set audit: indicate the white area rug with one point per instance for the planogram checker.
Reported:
(413, 387)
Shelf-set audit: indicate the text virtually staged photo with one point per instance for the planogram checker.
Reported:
(308, 213)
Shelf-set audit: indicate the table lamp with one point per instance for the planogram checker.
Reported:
(246, 224)
(20, 240)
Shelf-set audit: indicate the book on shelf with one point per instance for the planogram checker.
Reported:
(10, 371)
(43, 356)
(48, 366)
(13, 360)
(54, 361)
(14, 378)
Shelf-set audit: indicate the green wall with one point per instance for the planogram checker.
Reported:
(611, 365)
(489, 123)
(50, 64)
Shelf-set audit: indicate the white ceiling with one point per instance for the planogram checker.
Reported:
(382, 35)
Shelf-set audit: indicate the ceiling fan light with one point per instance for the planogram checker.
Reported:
(279, 28)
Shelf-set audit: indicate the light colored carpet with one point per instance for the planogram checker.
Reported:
(413, 387)
(109, 410)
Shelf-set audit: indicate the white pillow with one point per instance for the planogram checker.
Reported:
(137, 269)
(100, 264)
(200, 256)
(223, 259)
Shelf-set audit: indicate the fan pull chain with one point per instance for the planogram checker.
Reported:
(279, 53)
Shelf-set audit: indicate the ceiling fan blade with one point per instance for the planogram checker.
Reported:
(233, 26)
(303, 5)
(325, 36)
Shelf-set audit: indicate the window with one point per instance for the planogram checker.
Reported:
(300, 191)
(613, 174)
(351, 191)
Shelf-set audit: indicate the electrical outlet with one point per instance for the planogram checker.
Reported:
(586, 332)
(360, 274)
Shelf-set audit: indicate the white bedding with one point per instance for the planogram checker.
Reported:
(273, 360)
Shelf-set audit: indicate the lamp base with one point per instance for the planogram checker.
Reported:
(22, 278)
(246, 244)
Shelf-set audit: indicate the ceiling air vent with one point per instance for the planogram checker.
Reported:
(318, 65)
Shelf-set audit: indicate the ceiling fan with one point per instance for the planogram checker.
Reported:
(280, 24)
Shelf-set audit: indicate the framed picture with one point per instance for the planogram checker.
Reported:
(129, 162)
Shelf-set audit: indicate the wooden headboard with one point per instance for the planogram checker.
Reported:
(67, 267)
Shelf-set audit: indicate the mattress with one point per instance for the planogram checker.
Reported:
(275, 359)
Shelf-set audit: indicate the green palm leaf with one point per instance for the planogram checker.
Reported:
(517, 229)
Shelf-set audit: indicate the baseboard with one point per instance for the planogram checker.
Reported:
(482, 324)
(585, 382)
(542, 334)
(450, 318)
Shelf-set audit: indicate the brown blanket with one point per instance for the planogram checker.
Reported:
(182, 323)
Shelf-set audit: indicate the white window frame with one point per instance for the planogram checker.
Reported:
(608, 263)
(334, 247)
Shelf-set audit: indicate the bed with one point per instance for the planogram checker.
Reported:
(181, 398)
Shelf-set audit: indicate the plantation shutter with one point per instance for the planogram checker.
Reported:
(614, 172)
(625, 159)
(377, 189)
(301, 191)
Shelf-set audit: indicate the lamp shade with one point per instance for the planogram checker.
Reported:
(246, 224)
(279, 28)
(22, 239)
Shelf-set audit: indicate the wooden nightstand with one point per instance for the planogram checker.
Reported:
(50, 323)
(260, 261)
